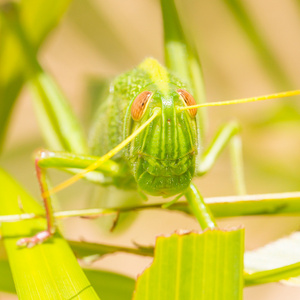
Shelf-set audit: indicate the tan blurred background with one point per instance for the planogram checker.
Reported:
(100, 39)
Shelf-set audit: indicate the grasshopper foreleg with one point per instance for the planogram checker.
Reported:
(229, 133)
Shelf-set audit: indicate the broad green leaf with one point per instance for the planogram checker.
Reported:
(46, 271)
(275, 261)
(38, 18)
(206, 266)
(109, 286)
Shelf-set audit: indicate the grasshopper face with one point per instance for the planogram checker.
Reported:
(162, 157)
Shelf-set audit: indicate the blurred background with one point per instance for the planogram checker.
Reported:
(97, 40)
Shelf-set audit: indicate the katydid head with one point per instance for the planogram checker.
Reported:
(162, 157)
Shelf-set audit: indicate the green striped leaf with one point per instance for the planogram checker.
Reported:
(206, 266)
(46, 271)
(109, 286)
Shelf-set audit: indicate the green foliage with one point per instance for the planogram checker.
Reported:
(192, 266)
(47, 271)
(186, 266)
(12, 62)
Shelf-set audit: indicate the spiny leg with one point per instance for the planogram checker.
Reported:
(43, 235)
(229, 133)
(47, 159)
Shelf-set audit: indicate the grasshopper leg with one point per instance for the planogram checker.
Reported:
(50, 230)
(67, 161)
(229, 133)
(199, 208)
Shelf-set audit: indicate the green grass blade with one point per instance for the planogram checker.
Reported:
(46, 271)
(243, 205)
(59, 126)
(250, 205)
(58, 122)
(229, 206)
(182, 58)
(275, 261)
(11, 58)
(206, 266)
(108, 285)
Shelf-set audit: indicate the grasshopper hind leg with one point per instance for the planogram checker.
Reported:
(109, 173)
(50, 230)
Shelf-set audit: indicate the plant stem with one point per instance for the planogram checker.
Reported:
(199, 208)
(230, 206)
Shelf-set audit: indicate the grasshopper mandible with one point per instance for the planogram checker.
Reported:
(148, 132)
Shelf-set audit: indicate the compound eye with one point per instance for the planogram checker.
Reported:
(189, 100)
(140, 104)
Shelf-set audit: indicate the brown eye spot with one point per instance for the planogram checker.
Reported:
(139, 105)
(188, 100)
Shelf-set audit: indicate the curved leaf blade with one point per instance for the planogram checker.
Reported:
(46, 271)
(275, 261)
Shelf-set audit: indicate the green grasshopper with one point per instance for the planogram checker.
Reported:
(148, 132)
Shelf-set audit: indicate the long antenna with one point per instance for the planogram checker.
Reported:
(243, 100)
(102, 159)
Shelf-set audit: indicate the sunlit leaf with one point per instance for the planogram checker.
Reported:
(108, 285)
(46, 271)
(191, 266)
